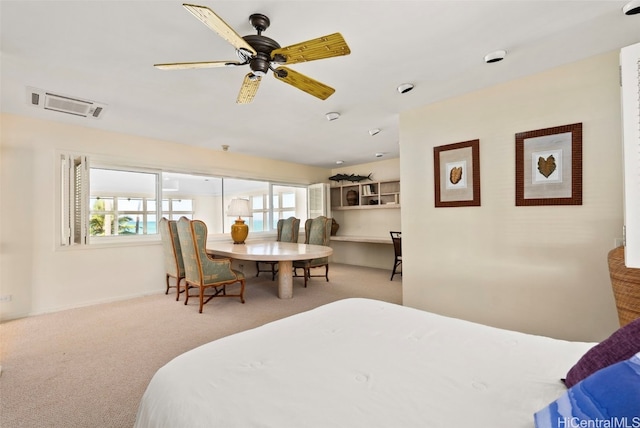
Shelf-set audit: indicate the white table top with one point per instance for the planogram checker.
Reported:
(269, 250)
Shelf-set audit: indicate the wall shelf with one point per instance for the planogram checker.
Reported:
(369, 195)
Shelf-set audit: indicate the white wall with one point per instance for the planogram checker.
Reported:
(535, 269)
(41, 278)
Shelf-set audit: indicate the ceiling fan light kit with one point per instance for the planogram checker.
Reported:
(632, 8)
(263, 54)
(495, 56)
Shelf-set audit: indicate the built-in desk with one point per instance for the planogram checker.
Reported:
(363, 239)
(371, 251)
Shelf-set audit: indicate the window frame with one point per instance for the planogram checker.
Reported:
(80, 213)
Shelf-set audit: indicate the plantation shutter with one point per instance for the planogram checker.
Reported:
(630, 81)
(319, 200)
(74, 185)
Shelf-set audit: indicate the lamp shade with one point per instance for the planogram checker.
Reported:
(239, 230)
(240, 208)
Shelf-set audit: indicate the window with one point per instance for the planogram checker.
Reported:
(173, 209)
(108, 203)
(122, 202)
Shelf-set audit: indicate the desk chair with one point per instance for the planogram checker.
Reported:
(396, 237)
(317, 231)
(287, 232)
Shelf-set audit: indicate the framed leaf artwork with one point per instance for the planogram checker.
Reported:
(549, 166)
(457, 174)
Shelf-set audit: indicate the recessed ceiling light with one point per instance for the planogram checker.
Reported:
(405, 87)
(632, 8)
(339, 162)
(332, 115)
(373, 132)
(495, 56)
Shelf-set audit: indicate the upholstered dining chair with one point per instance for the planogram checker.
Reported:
(173, 264)
(201, 271)
(626, 287)
(317, 231)
(287, 232)
(396, 238)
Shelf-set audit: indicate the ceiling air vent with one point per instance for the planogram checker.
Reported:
(64, 103)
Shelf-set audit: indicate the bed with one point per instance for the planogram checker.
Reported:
(362, 363)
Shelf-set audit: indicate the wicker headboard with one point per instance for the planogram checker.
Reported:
(626, 287)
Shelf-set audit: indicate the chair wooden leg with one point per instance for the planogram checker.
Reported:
(201, 298)
(167, 291)
(242, 290)
(177, 289)
(326, 273)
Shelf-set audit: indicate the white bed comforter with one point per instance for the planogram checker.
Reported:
(362, 363)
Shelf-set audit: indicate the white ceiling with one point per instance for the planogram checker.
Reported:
(104, 51)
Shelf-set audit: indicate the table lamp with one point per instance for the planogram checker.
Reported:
(239, 230)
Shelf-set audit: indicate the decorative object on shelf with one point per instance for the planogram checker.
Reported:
(549, 166)
(239, 230)
(457, 174)
(386, 193)
(352, 178)
(352, 197)
(334, 227)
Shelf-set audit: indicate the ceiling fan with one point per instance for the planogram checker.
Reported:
(263, 54)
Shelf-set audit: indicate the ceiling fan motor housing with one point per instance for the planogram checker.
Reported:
(261, 62)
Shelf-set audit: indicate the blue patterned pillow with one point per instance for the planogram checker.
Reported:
(608, 398)
(620, 346)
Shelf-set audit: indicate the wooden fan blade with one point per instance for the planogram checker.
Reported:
(320, 48)
(214, 22)
(304, 83)
(249, 87)
(187, 65)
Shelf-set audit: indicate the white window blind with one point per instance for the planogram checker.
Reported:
(630, 81)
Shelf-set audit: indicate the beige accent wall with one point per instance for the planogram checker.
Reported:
(541, 269)
(41, 278)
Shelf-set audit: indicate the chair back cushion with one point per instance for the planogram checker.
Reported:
(189, 251)
(172, 250)
(318, 231)
(288, 229)
(211, 270)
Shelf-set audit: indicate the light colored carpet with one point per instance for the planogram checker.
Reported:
(88, 367)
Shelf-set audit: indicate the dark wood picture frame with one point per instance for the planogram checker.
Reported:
(457, 174)
(549, 166)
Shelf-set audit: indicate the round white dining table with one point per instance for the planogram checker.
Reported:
(272, 251)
